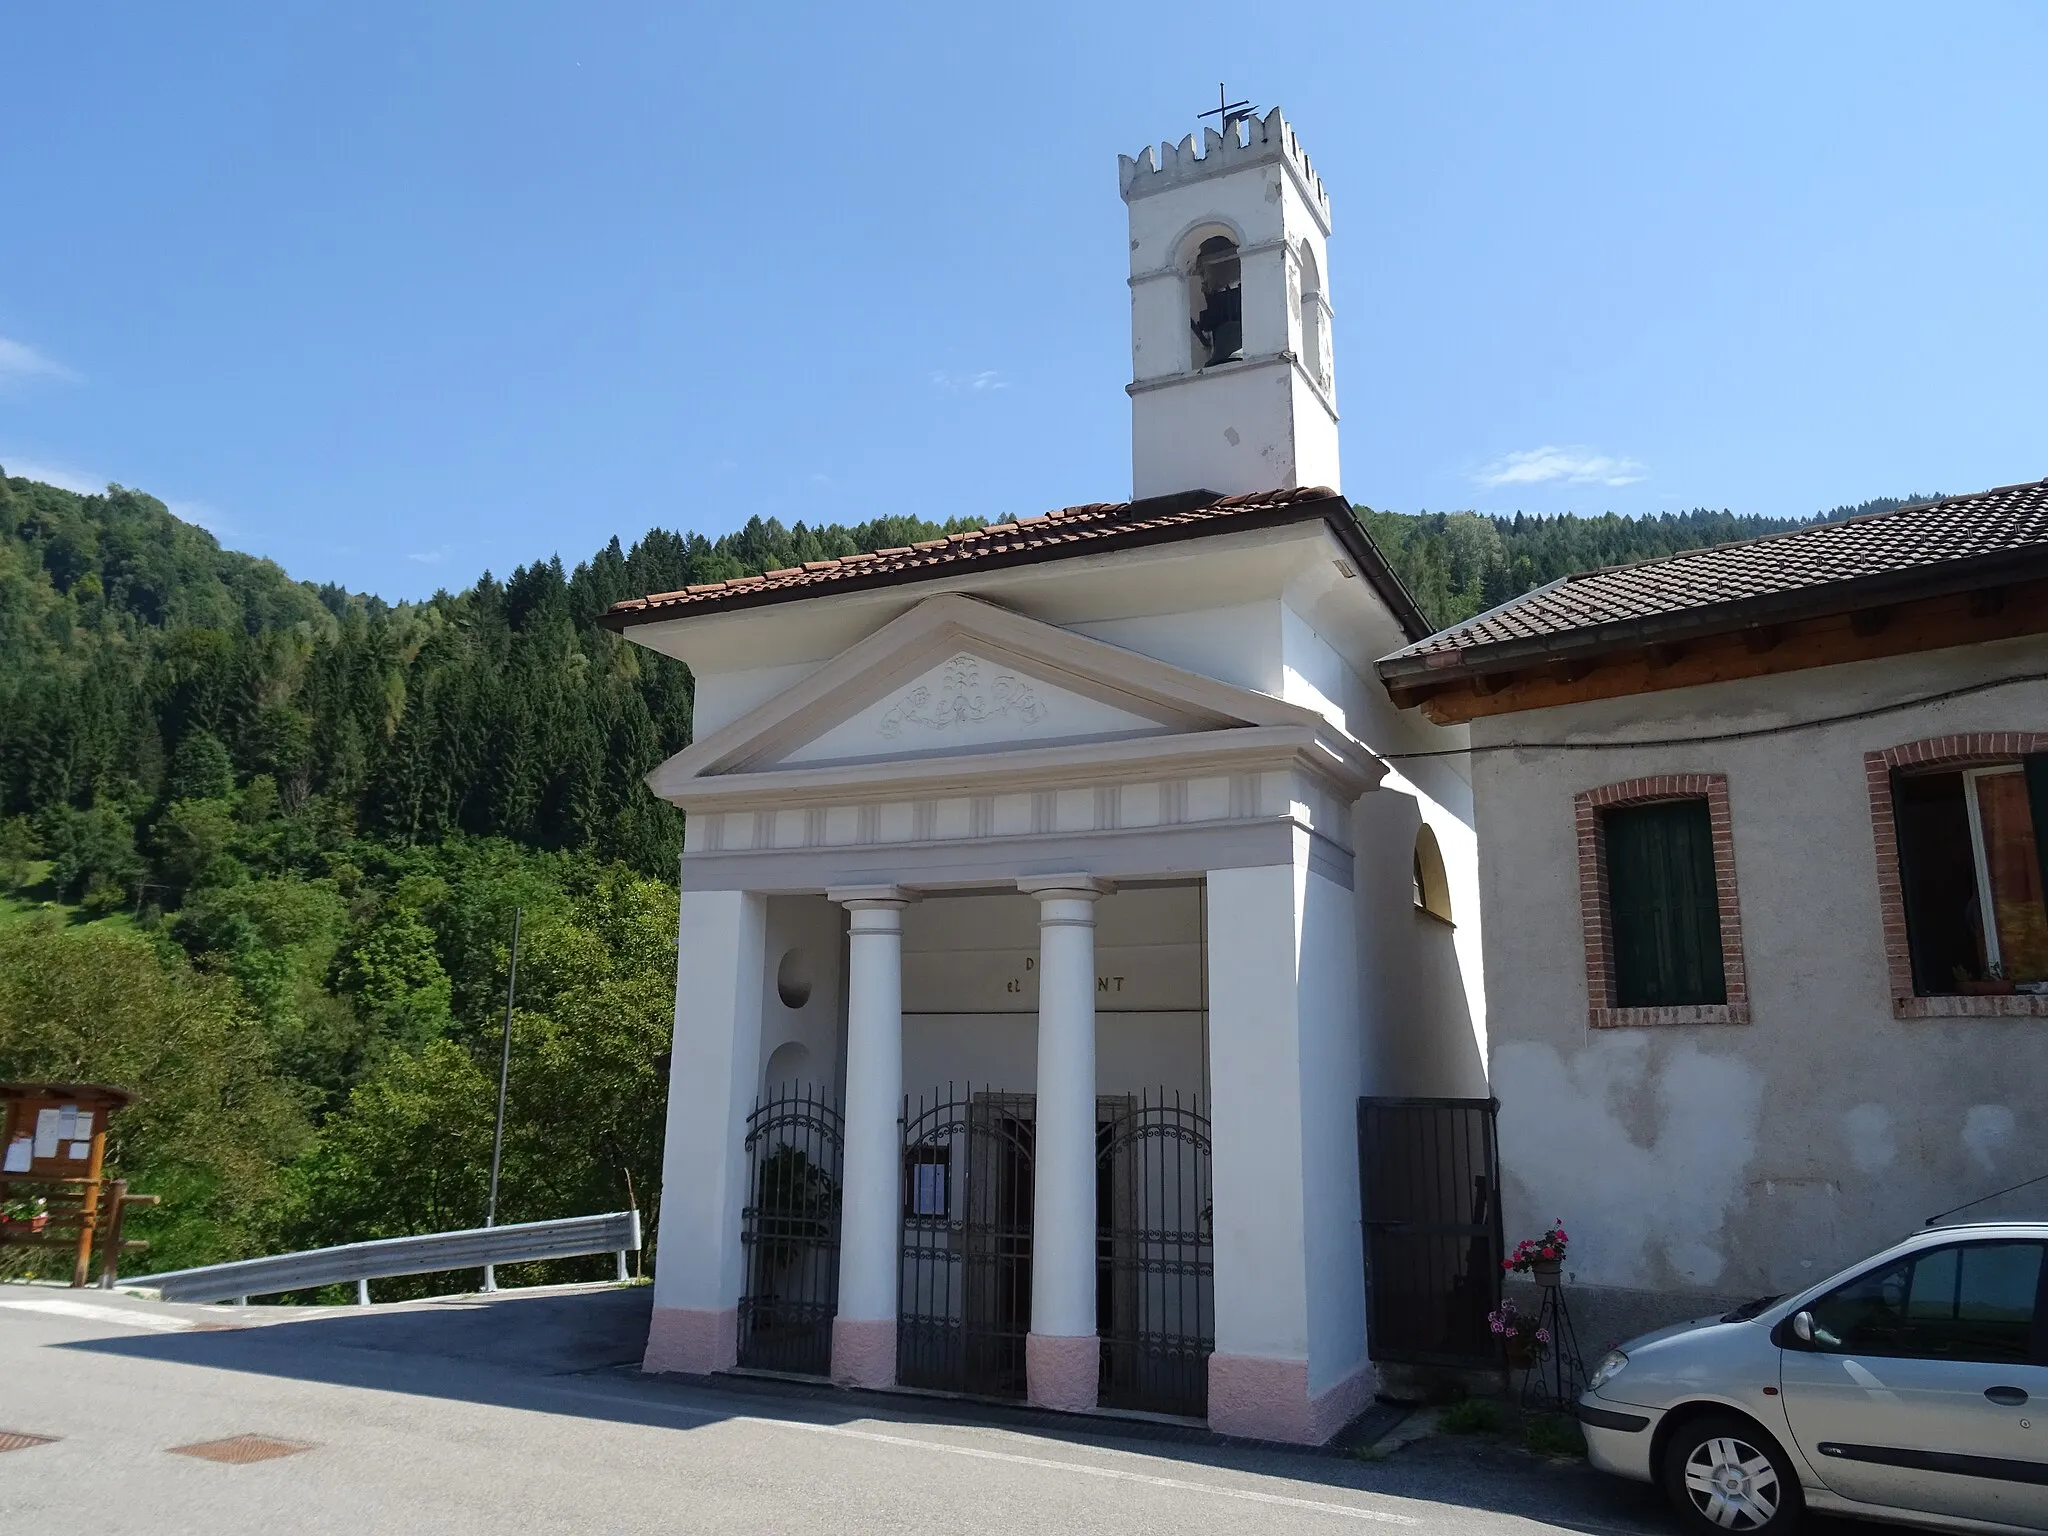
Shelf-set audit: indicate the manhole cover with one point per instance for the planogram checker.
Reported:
(10, 1440)
(240, 1448)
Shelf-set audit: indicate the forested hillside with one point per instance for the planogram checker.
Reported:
(261, 843)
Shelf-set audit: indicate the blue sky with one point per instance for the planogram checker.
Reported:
(393, 293)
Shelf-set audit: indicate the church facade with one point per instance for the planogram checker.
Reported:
(1053, 892)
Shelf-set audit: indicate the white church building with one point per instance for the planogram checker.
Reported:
(1054, 894)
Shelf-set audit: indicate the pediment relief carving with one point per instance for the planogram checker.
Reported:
(966, 702)
(963, 696)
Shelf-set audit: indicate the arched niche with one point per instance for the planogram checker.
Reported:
(789, 1066)
(1432, 884)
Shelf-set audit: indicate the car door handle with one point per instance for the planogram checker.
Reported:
(2006, 1397)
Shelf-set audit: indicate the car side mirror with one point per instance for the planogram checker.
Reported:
(1802, 1327)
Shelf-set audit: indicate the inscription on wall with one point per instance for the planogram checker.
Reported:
(1141, 978)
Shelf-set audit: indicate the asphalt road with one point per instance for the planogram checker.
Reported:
(524, 1413)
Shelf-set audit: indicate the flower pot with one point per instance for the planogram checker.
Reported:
(1520, 1356)
(1547, 1272)
(1995, 987)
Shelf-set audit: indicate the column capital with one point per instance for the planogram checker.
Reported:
(868, 898)
(1066, 887)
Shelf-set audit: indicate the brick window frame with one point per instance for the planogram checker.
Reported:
(1965, 749)
(1595, 914)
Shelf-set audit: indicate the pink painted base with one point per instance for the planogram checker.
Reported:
(1265, 1399)
(698, 1341)
(1062, 1372)
(864, 1353)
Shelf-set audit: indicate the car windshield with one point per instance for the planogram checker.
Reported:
(1748, 1310)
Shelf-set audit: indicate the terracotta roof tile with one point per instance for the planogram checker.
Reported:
(1051, 535)
(2008, 521)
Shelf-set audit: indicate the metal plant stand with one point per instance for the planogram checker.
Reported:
(1556, 1380)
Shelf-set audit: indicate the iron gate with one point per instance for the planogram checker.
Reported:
(1155, 1305)
(789, 1233)
(964, 1291)
(1429, 1179)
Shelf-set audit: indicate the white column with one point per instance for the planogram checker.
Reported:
(1061, 1352)
(1285, 1067)
(871, 1210)
(714, 1072)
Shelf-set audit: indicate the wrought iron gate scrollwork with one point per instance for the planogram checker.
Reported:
(964, 1288)
(1155, 1254)
(789, 1232)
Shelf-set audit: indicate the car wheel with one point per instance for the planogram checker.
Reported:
(1723, 1473)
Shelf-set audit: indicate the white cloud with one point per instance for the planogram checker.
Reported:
(19, 360)
(429, 556)
(212, 519)
(1569, 466)
(970, 383)
(64, 475)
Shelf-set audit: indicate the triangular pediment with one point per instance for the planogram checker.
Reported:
(960, 680)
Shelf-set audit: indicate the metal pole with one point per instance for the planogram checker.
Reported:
(504, 1076)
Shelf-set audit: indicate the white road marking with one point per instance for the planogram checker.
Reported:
(87, 1312)
(1113, 1474)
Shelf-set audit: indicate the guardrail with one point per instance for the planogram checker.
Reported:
(475, 1248)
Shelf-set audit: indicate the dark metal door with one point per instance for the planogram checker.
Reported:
(1429, 1180)
(964, 1291)
(789, 1233)
(1155, 1299)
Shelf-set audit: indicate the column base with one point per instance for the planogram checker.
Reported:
(864, 1352)
(1266, 1399)
(694, 1340)
(1062, 1372)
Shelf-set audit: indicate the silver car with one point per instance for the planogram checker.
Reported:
(1910, 1387)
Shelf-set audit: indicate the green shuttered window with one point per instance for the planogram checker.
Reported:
(1662, 905)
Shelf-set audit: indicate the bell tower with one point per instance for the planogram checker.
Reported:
(1231, 386)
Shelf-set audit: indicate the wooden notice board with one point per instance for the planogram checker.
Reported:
(53, 1144)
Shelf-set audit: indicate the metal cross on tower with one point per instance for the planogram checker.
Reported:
(1226, 109)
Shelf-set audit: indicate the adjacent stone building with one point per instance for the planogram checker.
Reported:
(1762, 832)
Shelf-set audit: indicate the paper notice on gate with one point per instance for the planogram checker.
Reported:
(67, 1122)
(46, 1133)
(19, 1154)
(80, 1151)
(82, 1130)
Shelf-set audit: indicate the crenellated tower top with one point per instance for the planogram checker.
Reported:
(1232, 387)
(1244, 141)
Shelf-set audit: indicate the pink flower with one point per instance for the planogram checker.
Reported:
(1550, 1253)
(1542, 1335)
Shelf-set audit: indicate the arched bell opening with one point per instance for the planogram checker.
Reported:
(1315, 318)
(1216, 301)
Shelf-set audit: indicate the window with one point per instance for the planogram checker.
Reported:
(1974, 1301)
(1658, 903)
(1218, 302)
(1972, 872)
(1432, 884)
(1663, 912)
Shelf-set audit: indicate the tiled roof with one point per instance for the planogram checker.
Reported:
(1096, 528)
(1733, 582)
